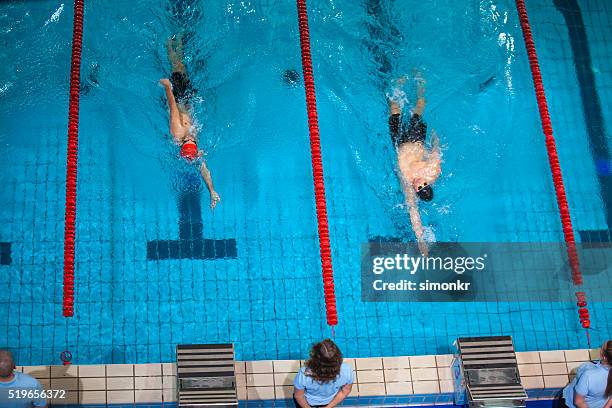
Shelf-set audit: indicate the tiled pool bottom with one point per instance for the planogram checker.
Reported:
(380, 381)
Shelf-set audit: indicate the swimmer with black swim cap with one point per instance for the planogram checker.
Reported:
(419, 166)
(179, 92)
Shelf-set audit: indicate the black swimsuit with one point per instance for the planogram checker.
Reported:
(182, 89)
(416, 132)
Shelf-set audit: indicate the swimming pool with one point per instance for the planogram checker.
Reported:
(131, 307)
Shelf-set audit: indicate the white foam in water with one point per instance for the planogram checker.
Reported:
(428, 234)
(398, 96)
(5, 87)
(444, 209)
(55, 16)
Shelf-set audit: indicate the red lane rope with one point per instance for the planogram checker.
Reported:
(555, 168)
(317, 166)
(71, 159)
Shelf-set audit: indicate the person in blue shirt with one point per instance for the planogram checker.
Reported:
(325, 380)
(15, 387)
(592, 387)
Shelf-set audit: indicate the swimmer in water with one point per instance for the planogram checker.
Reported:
(419, 166)
(179, 92)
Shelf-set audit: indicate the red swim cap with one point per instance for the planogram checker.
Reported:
(189, 150)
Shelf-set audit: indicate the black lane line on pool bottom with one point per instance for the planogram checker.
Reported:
(592, 111)
(191, 243)
(5, 253)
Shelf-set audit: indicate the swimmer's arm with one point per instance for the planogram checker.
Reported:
(207, 177)
(435, 142)
(435, 156)
(175, 116)
(214, 197)
(415, 218)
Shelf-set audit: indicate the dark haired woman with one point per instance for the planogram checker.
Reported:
(592, 387)
(325, 380)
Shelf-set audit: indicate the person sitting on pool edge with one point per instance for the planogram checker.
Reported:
(592, 386)
(16, 381)
(325, 380)
(419, 167)
(179, 92)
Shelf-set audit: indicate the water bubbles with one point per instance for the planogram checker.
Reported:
(187, 182)
(291, 78)
(428, 234)
(5, 87)
(55, 16)
(398, 96)
(444, 209)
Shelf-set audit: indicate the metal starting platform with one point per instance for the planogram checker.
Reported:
(486, 373)
(206, 376)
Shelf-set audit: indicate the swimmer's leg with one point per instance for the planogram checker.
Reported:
(394, 108)
(174, 45)
(420, 104)
(179, 46)
(394, 122)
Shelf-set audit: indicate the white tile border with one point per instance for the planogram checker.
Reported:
(268, 379)
(396, 362)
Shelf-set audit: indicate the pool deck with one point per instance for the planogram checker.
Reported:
(391, 381)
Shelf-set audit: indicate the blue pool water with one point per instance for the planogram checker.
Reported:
(132, 190)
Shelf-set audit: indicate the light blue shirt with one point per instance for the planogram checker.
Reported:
(21, 382)
(590, 382)
(318, 393)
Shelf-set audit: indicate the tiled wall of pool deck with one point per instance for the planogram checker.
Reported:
(272, 380)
